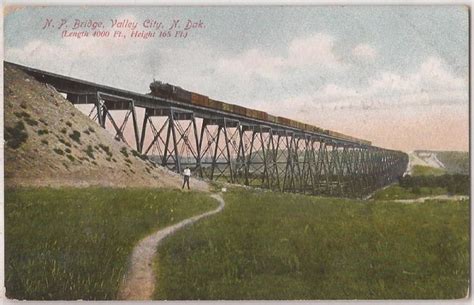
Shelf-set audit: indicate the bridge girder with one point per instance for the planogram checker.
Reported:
(235, 149)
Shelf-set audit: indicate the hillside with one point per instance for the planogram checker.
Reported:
(455, 161)
(450, 162)
(48, 142)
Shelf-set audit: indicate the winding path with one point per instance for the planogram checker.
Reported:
(139, 282)
(423, 199)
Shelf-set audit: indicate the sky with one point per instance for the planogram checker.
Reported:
(395, 75)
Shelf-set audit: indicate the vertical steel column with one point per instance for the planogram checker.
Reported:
(135, 125)
(198, 150)
(142, 138)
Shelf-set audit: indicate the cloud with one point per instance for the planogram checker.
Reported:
(316, 50)
(364, 51)
(252, 62)
(425, 108)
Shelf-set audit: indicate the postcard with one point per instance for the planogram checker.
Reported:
(312, 152)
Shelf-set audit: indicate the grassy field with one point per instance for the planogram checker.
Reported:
(421, 170)
(398, 192)
(282, 246)
(75, 243)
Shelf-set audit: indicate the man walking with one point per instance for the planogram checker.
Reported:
(187, 175)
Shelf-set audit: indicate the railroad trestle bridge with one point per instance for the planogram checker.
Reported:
(234, 147)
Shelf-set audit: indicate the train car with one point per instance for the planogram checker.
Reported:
(262, 115)
(251, 113)
(216, 104)
(300, 125)
(336, 134)
(308, 128)
(239, 110)
(227, 107)
(272, 118)
(257, 114)
(283, 121)
(200, 100)
(293, 123)
(318, 129)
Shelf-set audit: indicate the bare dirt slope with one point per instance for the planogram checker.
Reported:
(48, 142)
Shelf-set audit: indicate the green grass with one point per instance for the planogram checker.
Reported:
(398, 192)
(282, 246)
(421, 170)
(75, 243)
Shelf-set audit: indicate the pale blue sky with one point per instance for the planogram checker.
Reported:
(352, 67)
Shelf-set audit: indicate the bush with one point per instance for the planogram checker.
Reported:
(138, 155)
(106, 149)
(70, 157)
(456, 184)
(124, 152)
(90, 152)
(64, 142)
(31, 122)
(16, 135)
(58, 151)
(76, 136)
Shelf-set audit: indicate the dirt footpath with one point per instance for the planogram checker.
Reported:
(139, 282)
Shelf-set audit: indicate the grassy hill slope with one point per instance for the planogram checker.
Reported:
(455, 161)
(51, 143)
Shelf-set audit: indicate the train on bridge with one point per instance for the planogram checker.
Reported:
(169, 91)
(226, 142)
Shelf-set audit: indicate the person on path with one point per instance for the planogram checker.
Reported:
(186, 175)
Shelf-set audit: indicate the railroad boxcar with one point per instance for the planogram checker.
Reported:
(294, 124)
(334, 134)
(260, 115)
(283, 121)
(216, 104)
(227, 107)
(272, 118)
(239, 110)
(251, 113)
(318, 129)
(300, 125)
(200, 100)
